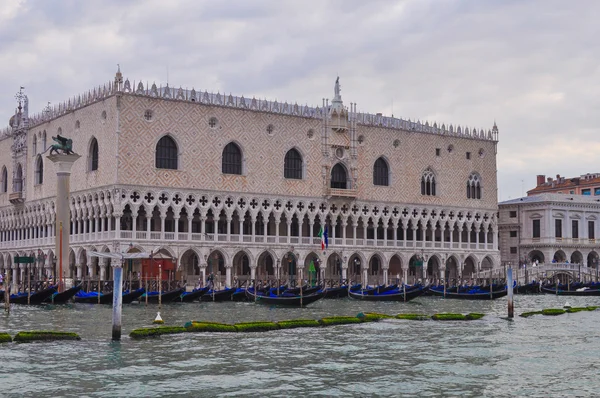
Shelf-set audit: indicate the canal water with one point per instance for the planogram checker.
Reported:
(539, 356)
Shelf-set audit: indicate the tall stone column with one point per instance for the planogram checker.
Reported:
(63, 164)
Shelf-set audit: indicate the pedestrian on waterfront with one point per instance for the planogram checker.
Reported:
(1, 279)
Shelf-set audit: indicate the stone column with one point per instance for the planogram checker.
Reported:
(253, 220)
(162, 226)
(385, 276)
(354, 226)
(63, 164)
(189, 222)
(228, 275)
(228, 218)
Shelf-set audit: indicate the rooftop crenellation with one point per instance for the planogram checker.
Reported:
(260, 105)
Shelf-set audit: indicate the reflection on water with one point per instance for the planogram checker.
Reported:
(539, 356)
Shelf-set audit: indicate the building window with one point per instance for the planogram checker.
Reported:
(34, 146)
(596, 191)
(166, 153)
(513, 250)
(428, 183)
(339, 177)
(474, 186)
(232, 159)
(536, 229)
(575, 229)
(513, 234)
(586, 191)
(44, 141)
(148, 114)
(468, 155)
(39, 171)
(4, 182)
(437, 151)
(292, 167)
(558, 228)
(591, 230)
(381, 173)
(93, 155)
(18, 180)
(513, 214)
(213, 122)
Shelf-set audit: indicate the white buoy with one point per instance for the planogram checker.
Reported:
(567, 305)
(158, 319)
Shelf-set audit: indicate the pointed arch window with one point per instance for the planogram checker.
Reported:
(166, 153)
(339, 177)
(474, 186)
(39, 171)
(293, 165)
(18, 180)
(232, 159)
(4, 182)
(34, 146)
(44, 141)
(93, 155)
(428, 183)
(381, 173)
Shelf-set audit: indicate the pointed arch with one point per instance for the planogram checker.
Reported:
(167, 153)
(39, 171)
(381, 172)
(339, 177)
(474, 186)
(93, 155)
(293, 165)
(428, 182)
(18, 180)
(34, 146)
(4, 180)
(44, 141)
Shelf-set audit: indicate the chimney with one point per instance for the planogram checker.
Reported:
(549, 179)
(558, 177)
(540, 179)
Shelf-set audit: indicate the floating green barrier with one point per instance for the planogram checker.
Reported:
(530, 313)
(298, 323)
(5, 338)
(200, 326)
(372, 316)
(449, 317)
(339, 320)
(553, 311)
(413, 317)
(474, 315)
(156, 332)
(44, 335)
(256, 326)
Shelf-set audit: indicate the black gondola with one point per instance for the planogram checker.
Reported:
(578, 292)
(35, 298)
(129, 296)
(92, 298)
(306, 290)
(165, 297)
(239, 295)
(218, 295)
(61, 298)
(336, 292)
(292, 301)
(474, 294)
(398, 294)
(188, 297)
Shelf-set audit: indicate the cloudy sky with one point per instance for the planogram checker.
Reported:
(533, 66)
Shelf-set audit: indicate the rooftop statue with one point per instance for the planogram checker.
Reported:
(337, 87)
(63, 145)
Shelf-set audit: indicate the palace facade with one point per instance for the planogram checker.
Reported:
(240, 187)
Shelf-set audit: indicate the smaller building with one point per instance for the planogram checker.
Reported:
(586, 184)
(550, 227)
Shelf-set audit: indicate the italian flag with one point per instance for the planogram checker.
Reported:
(323, 235)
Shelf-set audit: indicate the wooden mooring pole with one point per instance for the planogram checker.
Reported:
(7, 292)
(117, 301)
(509, 286)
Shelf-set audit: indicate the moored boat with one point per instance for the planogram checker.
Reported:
(397, 294)
(218, 295)
(188, 297)
(239, 295)
(584, 291)
(288, 301)
(92, 297)
(130, 296)
(336, 292)
(61, 298)
(470, 294)
(165, 297)
(34, 298)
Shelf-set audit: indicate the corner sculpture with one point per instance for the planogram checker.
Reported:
(63, 146)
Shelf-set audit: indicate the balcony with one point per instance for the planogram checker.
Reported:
(341, 193)
(16, 198)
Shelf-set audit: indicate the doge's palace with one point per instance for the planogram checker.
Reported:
(241, 186)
